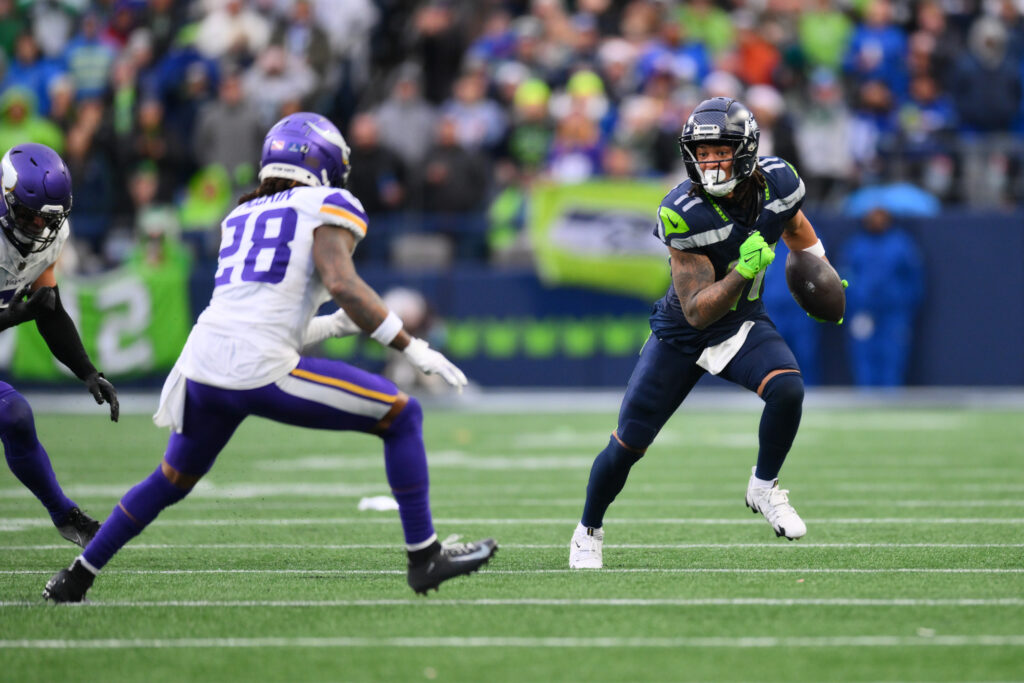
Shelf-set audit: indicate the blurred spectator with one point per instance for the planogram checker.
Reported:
(576, 149)
(874, 129)
(707, 24)
(152, 142)
(769, 110)
(277, 84)
(636, 131)
(686, 60)
(406, 120)
(164, 18)
(229, 132)
(232, 29)
(12, 25)
(377, 177)
(301, 37)
(986, 83)
(480, 121)
(454, 177)
(755, 57)
(29, 69)
(439, 43)
(617, 163)
(19, 121)
(52, 22)
(531, 132)
(877, 49)
(926, 119)
(62, 102)
(616, 65)
(885, 267)
(935, 40)
(987, 89)
(824, 31)
(496, 41)
(92, 181)
(89, 58)
(121, 23)
(824, 139)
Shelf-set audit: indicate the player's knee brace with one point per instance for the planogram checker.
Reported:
(410, 420)
(785, 390)
(17, 426)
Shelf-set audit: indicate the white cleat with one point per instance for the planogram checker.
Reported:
(774, 504)
(585, 548)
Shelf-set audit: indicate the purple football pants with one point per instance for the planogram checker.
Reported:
(318, 394)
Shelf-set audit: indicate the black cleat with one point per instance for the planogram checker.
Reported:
(79, 527)
(69, 585)
(449, 562)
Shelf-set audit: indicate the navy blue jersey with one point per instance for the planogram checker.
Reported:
(698, 224)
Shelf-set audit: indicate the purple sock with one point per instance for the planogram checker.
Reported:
(137, 509)
(405, 461)
(27, 458)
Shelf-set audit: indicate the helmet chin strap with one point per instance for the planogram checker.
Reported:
(715, 186)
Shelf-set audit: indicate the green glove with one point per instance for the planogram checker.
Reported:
(755, 256)
(822, 320)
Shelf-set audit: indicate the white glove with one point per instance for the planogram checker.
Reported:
(430, 362)
(322, 327)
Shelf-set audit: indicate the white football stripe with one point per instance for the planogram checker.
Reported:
(23, 523)
(562, 602)
(531, 643)
(778, 545)
(638, 570)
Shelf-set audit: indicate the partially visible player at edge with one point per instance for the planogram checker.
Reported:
(33, 216)
(720, 226)
(285, 250)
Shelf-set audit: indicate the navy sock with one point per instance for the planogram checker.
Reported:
(783, 404)
(28, 459)
(405, 462)
(137, 509)
(607, 477)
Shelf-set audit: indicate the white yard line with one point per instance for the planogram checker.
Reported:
(522, 572)
(527, 546)
(23, 523)
(560, 602)
(531, 643)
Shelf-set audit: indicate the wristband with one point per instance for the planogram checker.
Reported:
(387, 330)
(817, 249)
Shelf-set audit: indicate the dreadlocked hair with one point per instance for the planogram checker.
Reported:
(268, 186)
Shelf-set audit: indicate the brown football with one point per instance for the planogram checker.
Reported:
(816, 286)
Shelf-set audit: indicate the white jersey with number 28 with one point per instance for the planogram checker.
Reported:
(266, 288)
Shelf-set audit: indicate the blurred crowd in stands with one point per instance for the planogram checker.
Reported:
(453, 108)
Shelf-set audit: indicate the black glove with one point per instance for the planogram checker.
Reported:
(41, 301)
(102, 390)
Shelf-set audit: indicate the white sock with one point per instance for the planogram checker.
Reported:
(762, 483)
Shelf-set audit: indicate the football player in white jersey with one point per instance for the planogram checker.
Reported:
(33, 217)
(285, 250)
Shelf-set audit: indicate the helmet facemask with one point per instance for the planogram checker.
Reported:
(718, 122)
(33, 230)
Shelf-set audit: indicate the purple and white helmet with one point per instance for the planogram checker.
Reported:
(306, 148)
(37, 191)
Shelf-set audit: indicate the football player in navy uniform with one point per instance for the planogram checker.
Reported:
(720, 226)
(33, 217)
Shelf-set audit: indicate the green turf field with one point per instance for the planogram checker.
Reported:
(912, 568)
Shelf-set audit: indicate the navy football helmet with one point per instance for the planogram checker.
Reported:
(37, 194)
(306, 148)
(720, 121)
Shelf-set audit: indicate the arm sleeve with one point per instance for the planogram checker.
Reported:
(59, 332)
